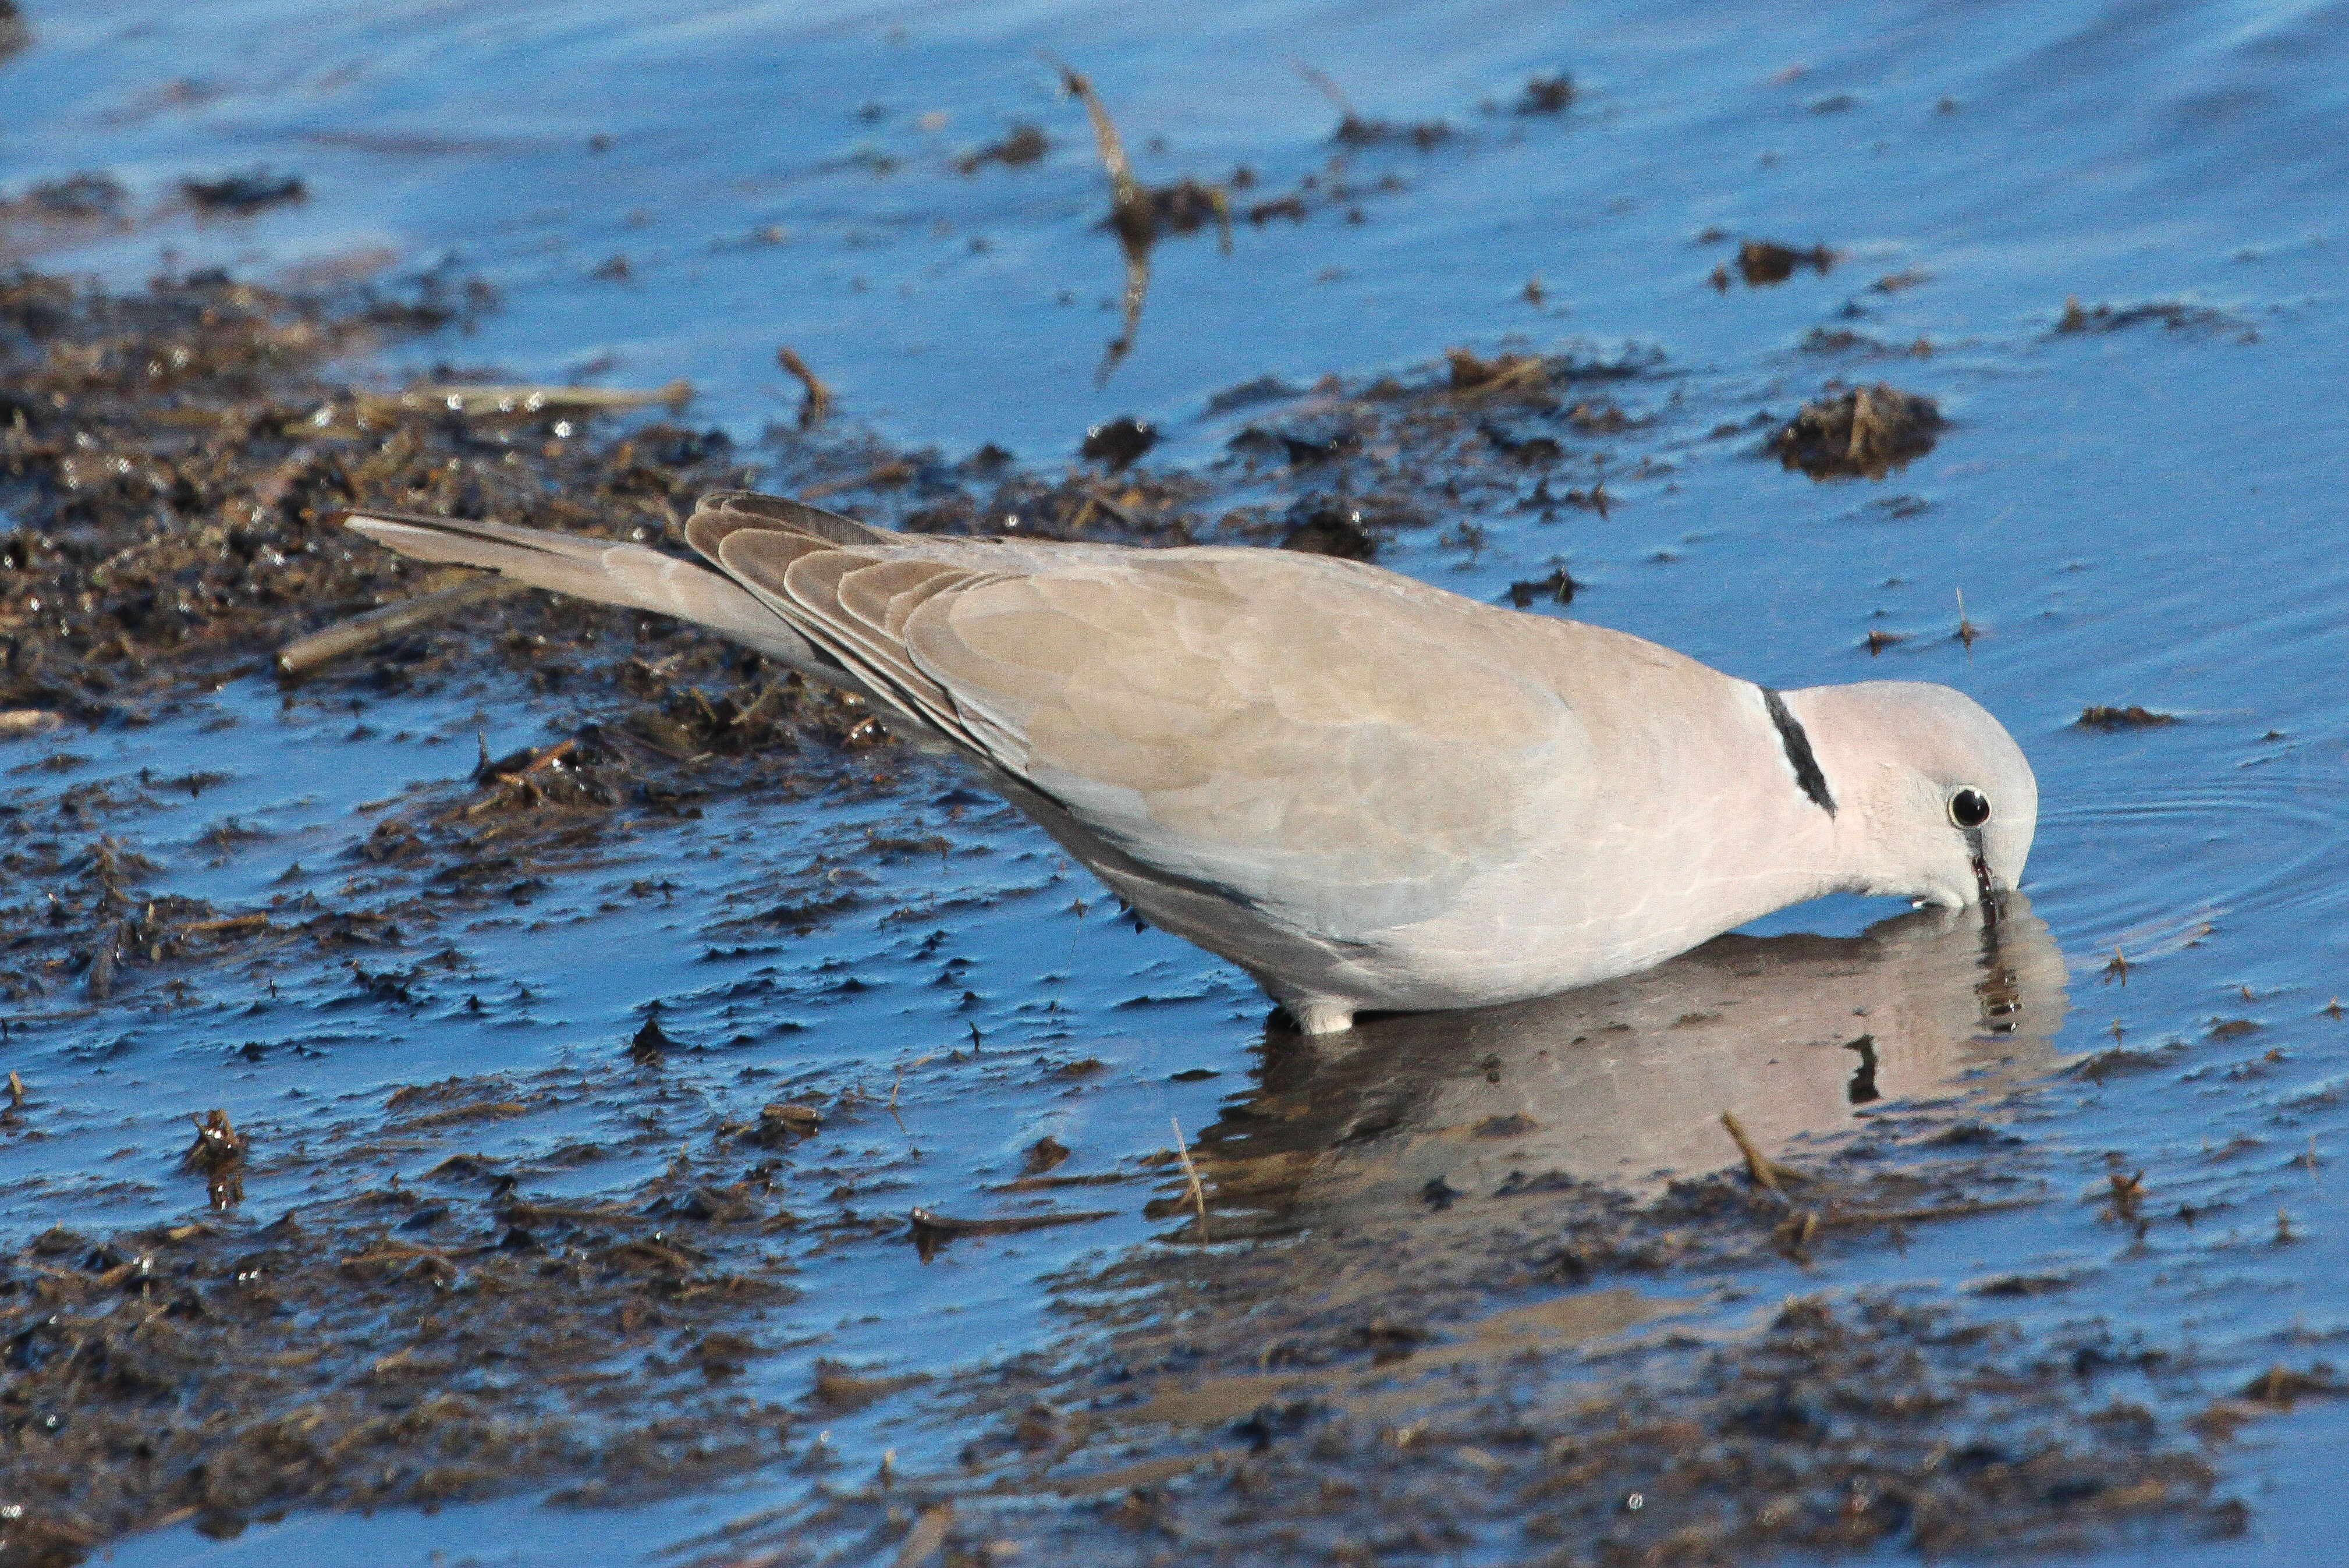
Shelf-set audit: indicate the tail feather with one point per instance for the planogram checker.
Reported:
(615, 574)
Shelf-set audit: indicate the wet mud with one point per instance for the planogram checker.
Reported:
(176, 462)
(1867, 433)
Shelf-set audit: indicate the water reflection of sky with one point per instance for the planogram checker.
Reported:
(2143, 515)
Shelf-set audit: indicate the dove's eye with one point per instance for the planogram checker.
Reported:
(1969, 808)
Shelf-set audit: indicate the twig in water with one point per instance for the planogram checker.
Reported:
(526, 400)
(1966, 632)
(1191, 1175)
(362, 632)
(816, 407)
(1795, 1233)
(1132, 212)
(1896, 1216)
(1129, 205)
(1327, 87)
(1767, 1172)
(899, 1083)
(1114, 513)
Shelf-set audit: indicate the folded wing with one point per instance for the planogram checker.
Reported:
(1337, 748)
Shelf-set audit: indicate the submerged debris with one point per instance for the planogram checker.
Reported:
(1760, 262)
(1119, 443)
(784, 1122)
(930, 1231)
(2172, 314)
(2131, 718)
(249, 192)
(1502, 373)
(1867, 433)
(1043, 1154)
(815, 404)
(1545, 95)
(1321, 525)
(1558, 588)
(1534, 451)
(218, 1155)
(77, 198)
(1021, 146)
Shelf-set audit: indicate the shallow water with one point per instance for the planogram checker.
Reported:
(2146, 514)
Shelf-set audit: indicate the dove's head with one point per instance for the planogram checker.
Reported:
(1934, 799)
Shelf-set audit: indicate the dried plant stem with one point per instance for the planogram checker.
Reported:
(1767, 1172)
(1191, 1175)
(362, 632)
(816, 406)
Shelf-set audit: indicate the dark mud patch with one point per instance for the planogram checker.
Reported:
(1322, 526)
(2129, 718)
(244, 192)
(173, 462)
(1480, 435)
(85, 198)
(402, 1346)
(1761, 263)
(1022, 145)
(1865, 434)
(2176, 314)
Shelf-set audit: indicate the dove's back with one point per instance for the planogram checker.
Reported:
(1365, 790)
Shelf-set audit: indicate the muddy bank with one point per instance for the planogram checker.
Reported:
(1376, 1327)
(174, 461)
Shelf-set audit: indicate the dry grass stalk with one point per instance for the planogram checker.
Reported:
(816, 406)
(930, 1533)
(359, 633)
(1767, 1172)
(1131, 212)
(526, 398)
(218, 1154)
(1191, 1175)
(1137, 212)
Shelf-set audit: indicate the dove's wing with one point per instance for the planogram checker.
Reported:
(1337, 748)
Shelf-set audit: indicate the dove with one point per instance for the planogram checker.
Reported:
(1369, 794)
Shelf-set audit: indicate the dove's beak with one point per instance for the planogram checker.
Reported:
(1993, 895)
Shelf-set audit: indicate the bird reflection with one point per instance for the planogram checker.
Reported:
(1624, 1083)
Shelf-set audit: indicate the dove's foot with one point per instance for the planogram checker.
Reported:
(1319, 1014)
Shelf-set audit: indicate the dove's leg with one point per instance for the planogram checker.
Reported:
(1319, 1014)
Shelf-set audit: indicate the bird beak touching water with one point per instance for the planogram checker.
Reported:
(1993, 895)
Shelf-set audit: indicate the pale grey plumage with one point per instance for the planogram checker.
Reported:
(1365, 790)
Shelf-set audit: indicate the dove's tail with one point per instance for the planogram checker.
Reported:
(607, 572)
